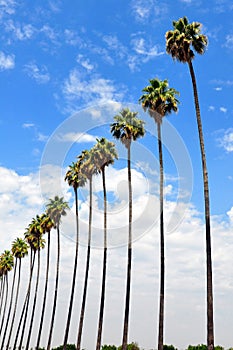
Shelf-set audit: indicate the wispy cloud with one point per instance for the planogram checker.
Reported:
(226, 141)
(20, 31)
(143, 10)
(76, 137)
(94, 89)
(6, 61)
(28, 125)
(40, 75)
(229, 41)
(144, 48)
(7, 7)
(85, 62)
(223, 109)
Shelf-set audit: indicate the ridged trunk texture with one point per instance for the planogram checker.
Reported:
(129, 262)
(86, 273)
(101, 313)
(210, 314)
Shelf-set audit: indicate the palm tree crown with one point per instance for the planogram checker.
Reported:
(105, 153)
(159, 99)
(56, 208)
(19, 248)
(184, 36)
(127, 127)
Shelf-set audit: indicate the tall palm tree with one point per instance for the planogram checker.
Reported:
(24, 312)
(88, 168)
(127, 128)
(159, 100)
(35, 230)
(46, 225)
(181, 43)
(36, 242)
(76, 179)
(55, 209)
(6, 264)
(105, 153)
(19, 250)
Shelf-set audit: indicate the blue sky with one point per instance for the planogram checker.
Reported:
(66, 68)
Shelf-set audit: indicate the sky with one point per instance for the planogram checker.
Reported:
(66, 69)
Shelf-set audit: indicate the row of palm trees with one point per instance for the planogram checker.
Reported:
(159, 100)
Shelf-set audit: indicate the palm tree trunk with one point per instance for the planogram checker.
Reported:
(87, 271)
(55, 291)
(2, 294)
(74, 272)
(10, 307)
(45, 294)
(15, 306)
(5, 303)
(25, 305)
(162, 264)
(99, 336)
(34, 301)
(128, 284)
(210, 315)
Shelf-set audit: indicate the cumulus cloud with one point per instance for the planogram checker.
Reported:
(185, 257)
(6, 61)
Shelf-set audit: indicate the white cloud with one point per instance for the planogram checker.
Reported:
(145, 10)
(95, 89)
(218, 88)
(141, 47)
(28, 125)
(6, 61)
(85, 62)
(230, 214)
(227, 140)
(229, 41)
(185, 260)
(223, 109)
(7, 7)
(21, 32)
(211, 108)
(39, 74)
(76, 137)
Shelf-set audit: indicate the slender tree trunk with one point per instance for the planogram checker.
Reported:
(101, 314)
(55, 291)
(162, 264)
(86, 273)
(128, 283)
(2, 294)
(15, 306)
(74, 271)
(5, 303)
(45, 294)
(10, 307)
(25, 305)
(34, 301)
(210, 314)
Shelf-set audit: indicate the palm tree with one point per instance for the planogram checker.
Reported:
(76, 179)
(24, 312)
(181, 43)
(88, 168)
(35, 230)
(36, 242)
(105, 153)
(160, 101)
(56, 208)
(19, 250)
(6, 265)
(46, 225)
(127, 128)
